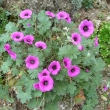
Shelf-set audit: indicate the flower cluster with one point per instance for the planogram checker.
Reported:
(73, 70)
(46, 82)
(86, 29)
(32, 62)
(50, 59)
(60, 16)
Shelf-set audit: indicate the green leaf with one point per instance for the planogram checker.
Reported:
(56, 29)
(32, 103)
(10, 27)
(44, 22)
(88, 105)
(85, 76)
(36, 93)
(2, 48)
(5, 68)
(71, 53)
(97, 79)
(52, 106)
(50, 96)
(19, 62)
(42, 16)
(71, 88)
(9, 99)
(24, 96)
(99, 64)
(2, 96)
(5, 38)
(60, 87)
(29, 31)
(34, 73)
(46, 52)
(61, 75)
(92, 93)
(26, 81)
(15, 71)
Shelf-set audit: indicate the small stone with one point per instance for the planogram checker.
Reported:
(100, 92)
(103, 98)
(107, 93)
(108, 18)
(108, 74)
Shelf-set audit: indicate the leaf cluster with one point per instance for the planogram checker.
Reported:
(58, 46)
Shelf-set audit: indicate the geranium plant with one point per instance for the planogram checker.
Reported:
(44, 60)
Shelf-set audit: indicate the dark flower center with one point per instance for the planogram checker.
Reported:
(61, 15)
(72, 70)
(65, 63)
(17, 37)
(54, 67)
(45, 83)
(40, 47)
(44, 74)
(26, 14)
(32, 61)
(75, 38)
(85, 28)
(28, 40)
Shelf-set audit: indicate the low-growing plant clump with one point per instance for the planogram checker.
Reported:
(44, 60)
(104, 40)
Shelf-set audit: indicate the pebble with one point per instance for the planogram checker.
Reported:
(103, 98)
(108, 74)
(108, 18)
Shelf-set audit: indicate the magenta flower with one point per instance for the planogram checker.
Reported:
(80, 47)
(32, 62)
(86, 28)
(54, 67)
(105, 88)
(28, 39)
(87, 71)
(28, 25)
(26, 14)
(68, 19)
(41, 45)
(12, 54)
(76, 38)
(67, 62)
(62, 15)
(7, 47)
(45, 72)
(96, 42)
(36, 86)
(73, 71)
(50, 14)
(17, 36)
(46, 84)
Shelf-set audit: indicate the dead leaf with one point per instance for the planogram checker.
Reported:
(80, 98)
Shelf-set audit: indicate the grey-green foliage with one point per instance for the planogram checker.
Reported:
(58, 46)
(86, 4)
(77, 4)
